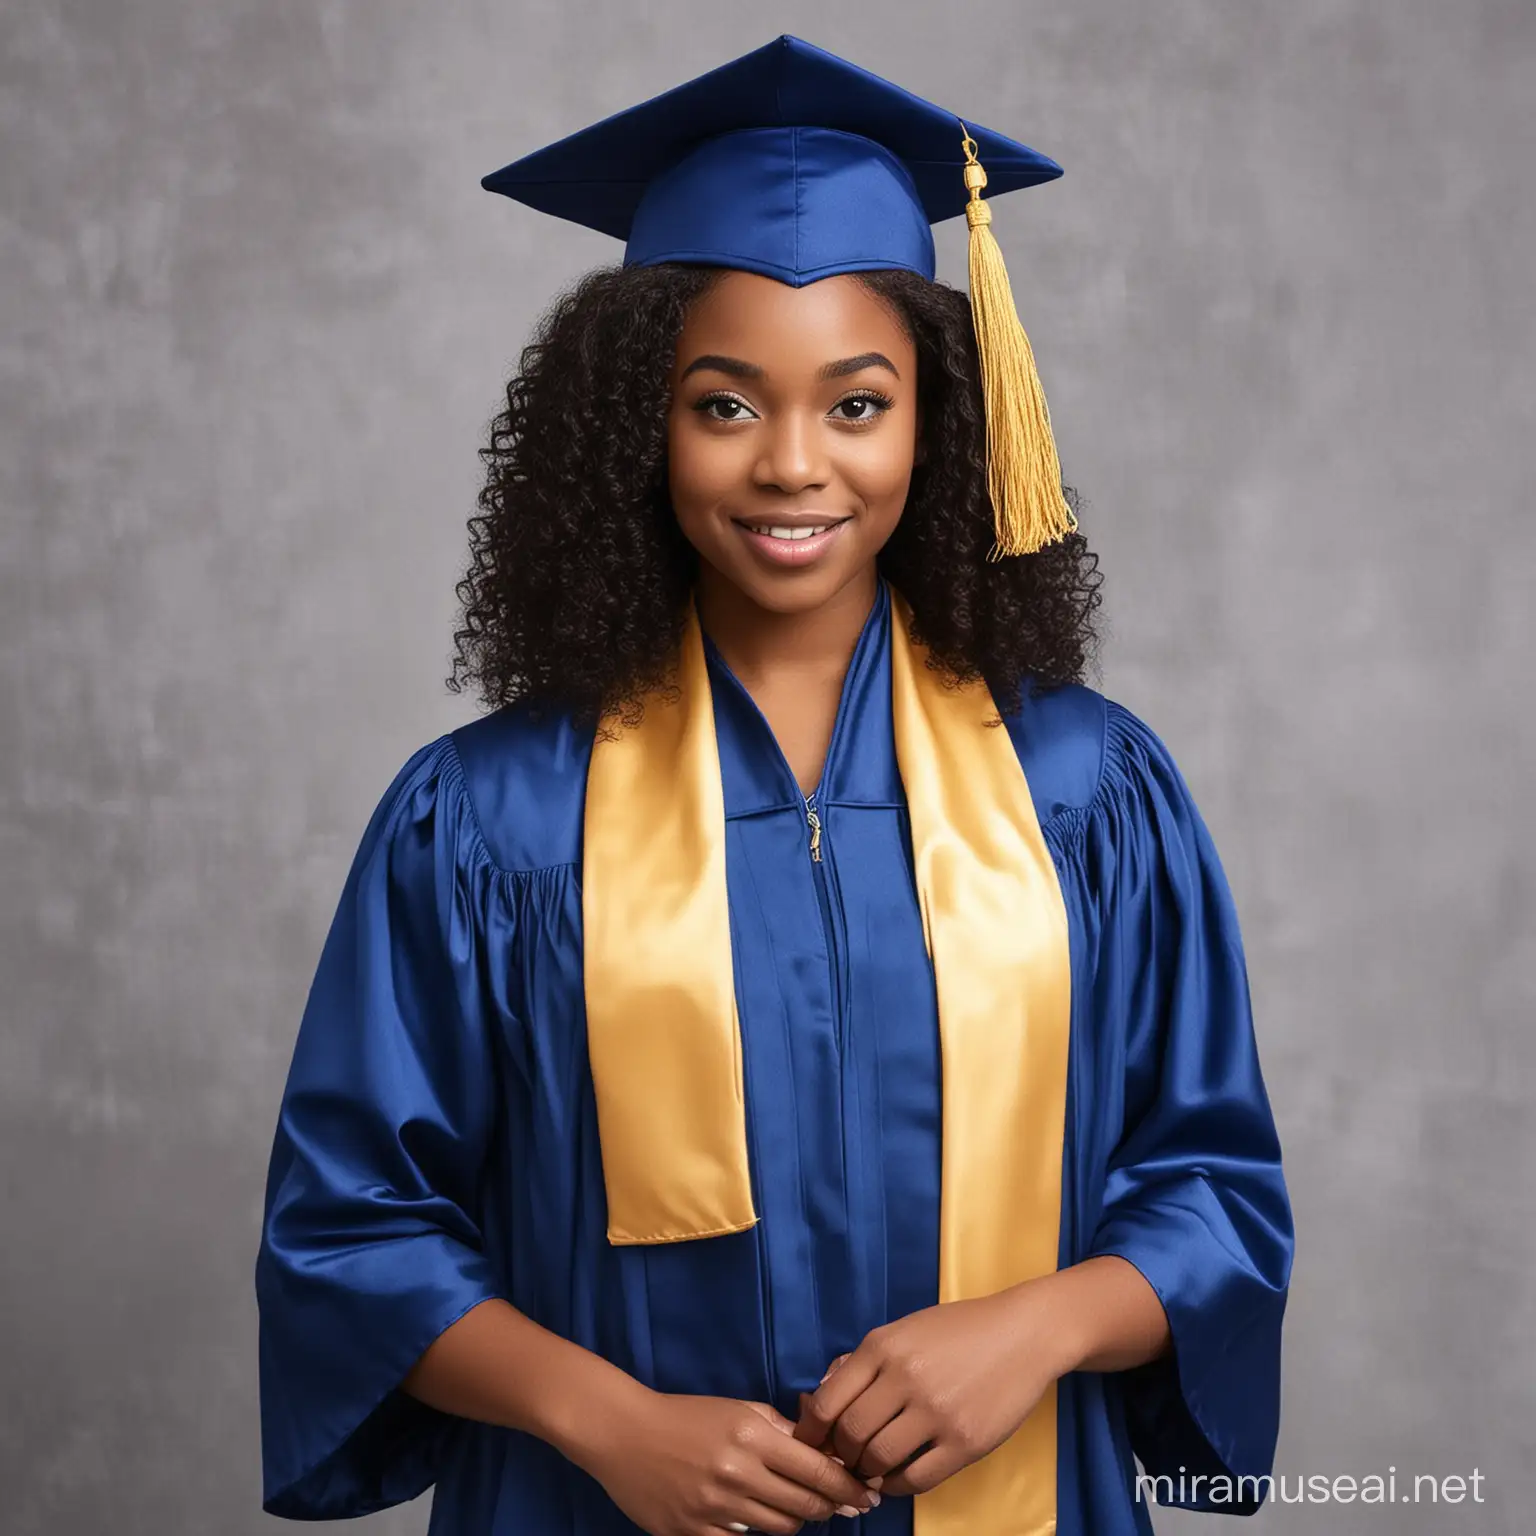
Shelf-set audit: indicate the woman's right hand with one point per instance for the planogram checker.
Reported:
(693, 1466)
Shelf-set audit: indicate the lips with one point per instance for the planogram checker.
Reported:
(790, 528)
(790, 544)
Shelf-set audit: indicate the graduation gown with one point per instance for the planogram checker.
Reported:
(437, 1143)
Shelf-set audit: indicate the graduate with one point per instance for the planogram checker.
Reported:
(790, 1059)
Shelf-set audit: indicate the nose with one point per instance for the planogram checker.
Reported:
(794, 454)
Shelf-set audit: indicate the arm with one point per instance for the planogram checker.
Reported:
(669, 1462)
(370, 1241)
(1193, 1196)
(960, 1377)
(1102, 1314)
(383, 1320)
(1183, 1284)
(499, 1366)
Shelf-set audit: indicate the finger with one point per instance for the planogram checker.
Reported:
(872, 1483)
(925, 1471)
(864, 1418)
(904, 1437)
(836, 1392)
(755, 1517)
(774, 1503)
(803, 1431)
(827, 1448)
(811, 1469)
(758, 1516)
(836, 1363)
(805, 1396)
(789, 1497)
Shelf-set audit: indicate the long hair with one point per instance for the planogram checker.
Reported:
(578, 576)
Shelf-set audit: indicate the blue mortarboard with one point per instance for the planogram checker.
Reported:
(798, 165)
(788, 161)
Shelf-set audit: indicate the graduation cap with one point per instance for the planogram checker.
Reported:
(798, 165)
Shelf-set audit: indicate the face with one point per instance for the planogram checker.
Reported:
(791, 435)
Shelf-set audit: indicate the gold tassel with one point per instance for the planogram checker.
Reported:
(1023, 471)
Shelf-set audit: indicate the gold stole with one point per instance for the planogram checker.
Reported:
(664, 1037)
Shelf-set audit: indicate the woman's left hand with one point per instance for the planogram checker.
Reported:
(957, 1378)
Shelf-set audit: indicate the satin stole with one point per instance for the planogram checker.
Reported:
(664, 1035)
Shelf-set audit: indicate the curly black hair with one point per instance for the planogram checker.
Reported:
(579, 575)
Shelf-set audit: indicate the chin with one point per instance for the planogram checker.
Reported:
(790, 592)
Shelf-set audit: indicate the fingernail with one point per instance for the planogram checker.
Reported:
(849, 1510)
(874, 1500)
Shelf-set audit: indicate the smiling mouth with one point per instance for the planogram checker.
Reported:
(790, 533)
(799, 544)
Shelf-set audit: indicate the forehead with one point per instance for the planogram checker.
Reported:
(751, 316)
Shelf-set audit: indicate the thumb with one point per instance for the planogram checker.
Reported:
(774, 1417)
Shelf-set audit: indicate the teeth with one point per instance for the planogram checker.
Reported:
(790, 533)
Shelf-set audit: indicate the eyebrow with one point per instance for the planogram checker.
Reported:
(738, 369)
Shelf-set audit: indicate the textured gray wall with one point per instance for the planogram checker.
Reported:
(257, 313)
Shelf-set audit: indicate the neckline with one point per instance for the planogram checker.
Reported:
(865, 652)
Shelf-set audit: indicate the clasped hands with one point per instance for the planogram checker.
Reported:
(929, 1393)
(917, 1400)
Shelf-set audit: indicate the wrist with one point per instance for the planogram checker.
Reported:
(1078, 1323)
(1059, 1335)
(591, 1409)
(1100, 1314)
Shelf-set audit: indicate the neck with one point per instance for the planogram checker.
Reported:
(762, 646)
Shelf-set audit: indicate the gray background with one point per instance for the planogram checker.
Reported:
(257, 313)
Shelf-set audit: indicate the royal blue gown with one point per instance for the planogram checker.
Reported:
(437, 1141)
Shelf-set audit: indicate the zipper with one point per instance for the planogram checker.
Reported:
(824, 900)
(824, 877)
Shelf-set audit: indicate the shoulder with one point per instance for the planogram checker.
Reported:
(1076, 744)
(524, 774)
(1060, 733)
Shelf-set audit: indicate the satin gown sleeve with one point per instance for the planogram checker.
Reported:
(1195, 1197)
(369, 1246)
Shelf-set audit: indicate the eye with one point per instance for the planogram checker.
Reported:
(865, 406)
(733, 407)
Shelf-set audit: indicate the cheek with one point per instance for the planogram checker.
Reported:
(701, 467)
(882, 472)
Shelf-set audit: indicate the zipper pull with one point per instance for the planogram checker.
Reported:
(815, 825)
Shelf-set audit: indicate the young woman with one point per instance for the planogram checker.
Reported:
(791, 1057)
